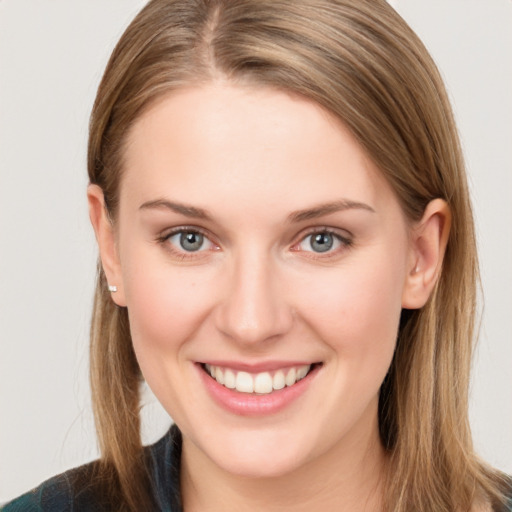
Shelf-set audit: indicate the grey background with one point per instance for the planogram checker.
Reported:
(52, 54)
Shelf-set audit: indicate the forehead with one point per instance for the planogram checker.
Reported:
(246, 144)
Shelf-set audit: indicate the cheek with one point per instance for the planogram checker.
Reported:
(355, 309)
(166, 304)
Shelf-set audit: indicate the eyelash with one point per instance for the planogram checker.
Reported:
(344, 241)
(182, 254)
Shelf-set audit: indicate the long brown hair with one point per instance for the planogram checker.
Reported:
(361, 61)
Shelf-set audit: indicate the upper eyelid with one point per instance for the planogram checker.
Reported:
(167, 233)
(340, 233)
(164, 240)
(345, 240)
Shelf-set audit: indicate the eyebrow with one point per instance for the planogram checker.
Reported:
(297, 216)
(183, 209)
(327, 208)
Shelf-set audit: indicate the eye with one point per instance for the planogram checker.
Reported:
(189, 240)
(321, 242)
(324, 241)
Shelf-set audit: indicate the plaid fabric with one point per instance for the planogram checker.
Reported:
(60, 494)
(74, 491)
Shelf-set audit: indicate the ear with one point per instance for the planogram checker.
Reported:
(428, 244)
(105, 236)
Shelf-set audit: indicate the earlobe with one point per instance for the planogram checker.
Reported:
(105, 236)
(429, 238)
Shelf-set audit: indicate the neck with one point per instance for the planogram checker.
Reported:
(348, 477)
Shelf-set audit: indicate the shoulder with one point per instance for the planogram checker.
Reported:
(78, 490)
(507, 491)
(163, 460)
(58, 494)
(507, 507)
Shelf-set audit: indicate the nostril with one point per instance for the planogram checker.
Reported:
(252, 323)
(252, 307)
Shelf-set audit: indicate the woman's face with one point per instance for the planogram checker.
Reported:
(257, 241)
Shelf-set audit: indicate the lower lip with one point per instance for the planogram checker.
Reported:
(249, 404)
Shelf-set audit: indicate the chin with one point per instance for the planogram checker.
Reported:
(264, 467)
(264, 454)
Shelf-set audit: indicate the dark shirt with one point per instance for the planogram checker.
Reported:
(61, 494)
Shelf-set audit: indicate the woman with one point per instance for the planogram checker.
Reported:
(287, 258)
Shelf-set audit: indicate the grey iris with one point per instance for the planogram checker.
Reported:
(191, 241)
(321, 242)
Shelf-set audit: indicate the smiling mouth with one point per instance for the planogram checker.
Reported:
(262, 383)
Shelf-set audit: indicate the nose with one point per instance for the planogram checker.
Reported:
(254, 307)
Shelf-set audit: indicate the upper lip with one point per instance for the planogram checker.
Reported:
(264, 366)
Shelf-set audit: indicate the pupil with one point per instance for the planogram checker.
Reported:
(322, 242)
(191, 241)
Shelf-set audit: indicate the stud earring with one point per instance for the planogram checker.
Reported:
(112, 288)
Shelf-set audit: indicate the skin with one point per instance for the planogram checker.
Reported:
(257, 291)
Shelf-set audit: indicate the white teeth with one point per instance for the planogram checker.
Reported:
(302, 372)
(291, 377)
(278, 380)
(262, 383)
(244, 382)
(229, 379)
(219, 375)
